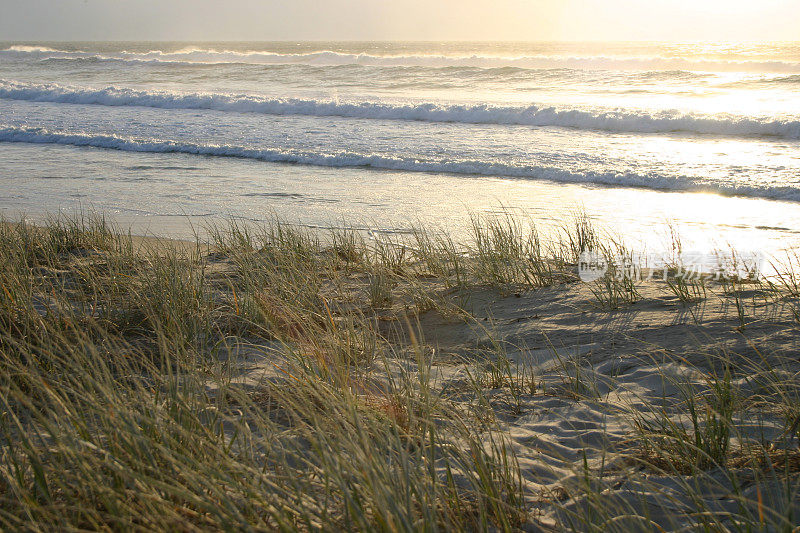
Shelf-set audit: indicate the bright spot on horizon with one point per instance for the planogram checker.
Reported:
(507, 20)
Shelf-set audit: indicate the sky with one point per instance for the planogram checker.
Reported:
(514, 20)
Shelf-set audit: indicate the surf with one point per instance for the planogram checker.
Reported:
(343, 159)
(611, 120)
(195, 55)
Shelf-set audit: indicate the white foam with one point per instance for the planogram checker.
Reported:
(613, 120)
(30, 49)
(328, 57)
(409, 164)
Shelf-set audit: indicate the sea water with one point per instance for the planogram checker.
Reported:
(384, 135)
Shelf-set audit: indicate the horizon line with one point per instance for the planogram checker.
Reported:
(454, 41)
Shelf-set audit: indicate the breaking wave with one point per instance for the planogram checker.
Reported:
(328, 57)
(410, 164)
(614, 120)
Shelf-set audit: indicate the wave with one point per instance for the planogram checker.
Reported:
(781, 80)
(786, 79)
(31, 49)
(398, 163)
(613, 120)
(328, 57)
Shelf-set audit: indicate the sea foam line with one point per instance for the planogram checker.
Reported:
(15, 134)
(332, 58)
(613, 120)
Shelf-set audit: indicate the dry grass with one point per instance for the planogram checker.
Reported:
(120, 406)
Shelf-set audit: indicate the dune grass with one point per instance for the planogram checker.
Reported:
(122, 403)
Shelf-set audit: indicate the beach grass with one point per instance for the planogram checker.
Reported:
(269, 377)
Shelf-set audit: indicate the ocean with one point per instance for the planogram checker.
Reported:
(379, 136)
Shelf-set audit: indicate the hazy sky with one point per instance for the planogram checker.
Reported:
(400, 19)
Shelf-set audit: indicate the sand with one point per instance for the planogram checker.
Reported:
(594, 403)
(635, 362)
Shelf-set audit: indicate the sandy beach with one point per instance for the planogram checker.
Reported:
(408, 266)
(328, 381)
